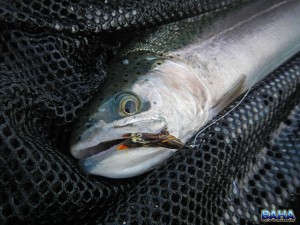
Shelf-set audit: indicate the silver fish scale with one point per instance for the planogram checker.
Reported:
(171, 37)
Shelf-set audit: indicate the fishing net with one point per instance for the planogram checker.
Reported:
(53, 60)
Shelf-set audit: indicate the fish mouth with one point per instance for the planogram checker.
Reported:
(101, 147)
(134, 140)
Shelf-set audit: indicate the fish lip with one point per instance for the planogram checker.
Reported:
(124, 165)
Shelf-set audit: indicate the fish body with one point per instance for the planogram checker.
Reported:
(179, 77)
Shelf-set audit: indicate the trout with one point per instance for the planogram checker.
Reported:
(166, 85)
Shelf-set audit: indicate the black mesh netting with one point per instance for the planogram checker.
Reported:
(52, 60)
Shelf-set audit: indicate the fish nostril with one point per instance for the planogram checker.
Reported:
(90, 122)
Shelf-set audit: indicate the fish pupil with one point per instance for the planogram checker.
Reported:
(130, 107)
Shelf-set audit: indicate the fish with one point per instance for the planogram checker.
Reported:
(167, 84)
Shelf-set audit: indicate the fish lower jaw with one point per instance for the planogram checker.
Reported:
(125, 164)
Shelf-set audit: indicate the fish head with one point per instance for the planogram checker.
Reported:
(125, 112)
(135, 109)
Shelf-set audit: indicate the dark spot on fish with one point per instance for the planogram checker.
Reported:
(115, 85)
(126, 81)
(125, 75)
(138, 73)
(154, 103)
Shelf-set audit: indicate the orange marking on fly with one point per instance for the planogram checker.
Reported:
(122, 147)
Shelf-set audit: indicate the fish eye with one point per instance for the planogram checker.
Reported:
(129, 105)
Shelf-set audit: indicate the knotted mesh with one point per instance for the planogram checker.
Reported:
(53, 60)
